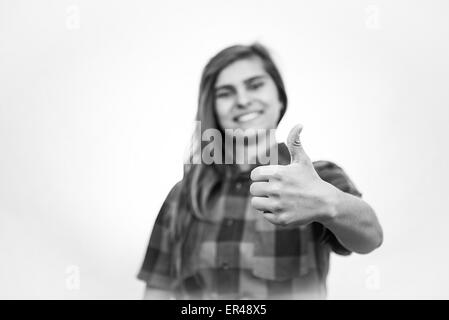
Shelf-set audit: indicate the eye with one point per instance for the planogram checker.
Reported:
(223, 94)
(256, 85)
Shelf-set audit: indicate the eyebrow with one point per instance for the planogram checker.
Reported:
(246, 81)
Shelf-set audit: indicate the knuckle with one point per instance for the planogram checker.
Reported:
(276, 189)
(282, 220)
(254, 202)
(254, 174)
(252, 188)
(277, 207)
(278, 172)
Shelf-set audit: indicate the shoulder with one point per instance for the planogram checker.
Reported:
(335, 175)
(327, 169)
(322, 164)
(169, 205)
(174, 191)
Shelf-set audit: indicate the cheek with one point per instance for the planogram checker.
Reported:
(272, 105)
(223, 107)
(222, 110)
(272, 117)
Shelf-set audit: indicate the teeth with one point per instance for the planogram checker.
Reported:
(248, 116)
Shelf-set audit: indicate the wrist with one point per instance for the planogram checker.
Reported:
(331, 200)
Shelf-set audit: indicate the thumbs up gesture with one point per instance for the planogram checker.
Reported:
(293, 194)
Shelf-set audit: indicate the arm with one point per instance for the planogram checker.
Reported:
(158, 264)
(353, 222)
(296, 195)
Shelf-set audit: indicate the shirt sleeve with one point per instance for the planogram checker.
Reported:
(157, 269)
(333, 174)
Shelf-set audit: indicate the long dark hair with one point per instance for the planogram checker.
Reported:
(199, 179)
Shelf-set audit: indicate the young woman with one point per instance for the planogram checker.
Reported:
(242, 228)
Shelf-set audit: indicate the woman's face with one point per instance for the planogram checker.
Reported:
(246, 96)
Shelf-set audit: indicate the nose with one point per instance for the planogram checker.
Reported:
(243, 99)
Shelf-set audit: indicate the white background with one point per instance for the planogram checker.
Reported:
(97, 99)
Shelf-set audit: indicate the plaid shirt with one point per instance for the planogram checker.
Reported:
(242, 255)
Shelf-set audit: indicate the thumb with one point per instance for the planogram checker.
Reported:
(294, 144)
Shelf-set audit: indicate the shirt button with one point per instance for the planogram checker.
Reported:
(229, 222)
(225, 266)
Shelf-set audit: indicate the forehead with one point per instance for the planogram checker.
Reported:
(240, 70)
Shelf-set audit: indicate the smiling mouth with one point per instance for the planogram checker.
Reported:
(247, 116)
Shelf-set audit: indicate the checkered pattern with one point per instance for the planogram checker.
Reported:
(242, 255)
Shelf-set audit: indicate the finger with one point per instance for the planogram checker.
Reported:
(260, 189)
(264, 204)
(265, 173)
(271, 217)
(280, 219)
(294, 144)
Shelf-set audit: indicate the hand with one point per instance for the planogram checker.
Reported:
(292, 194)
